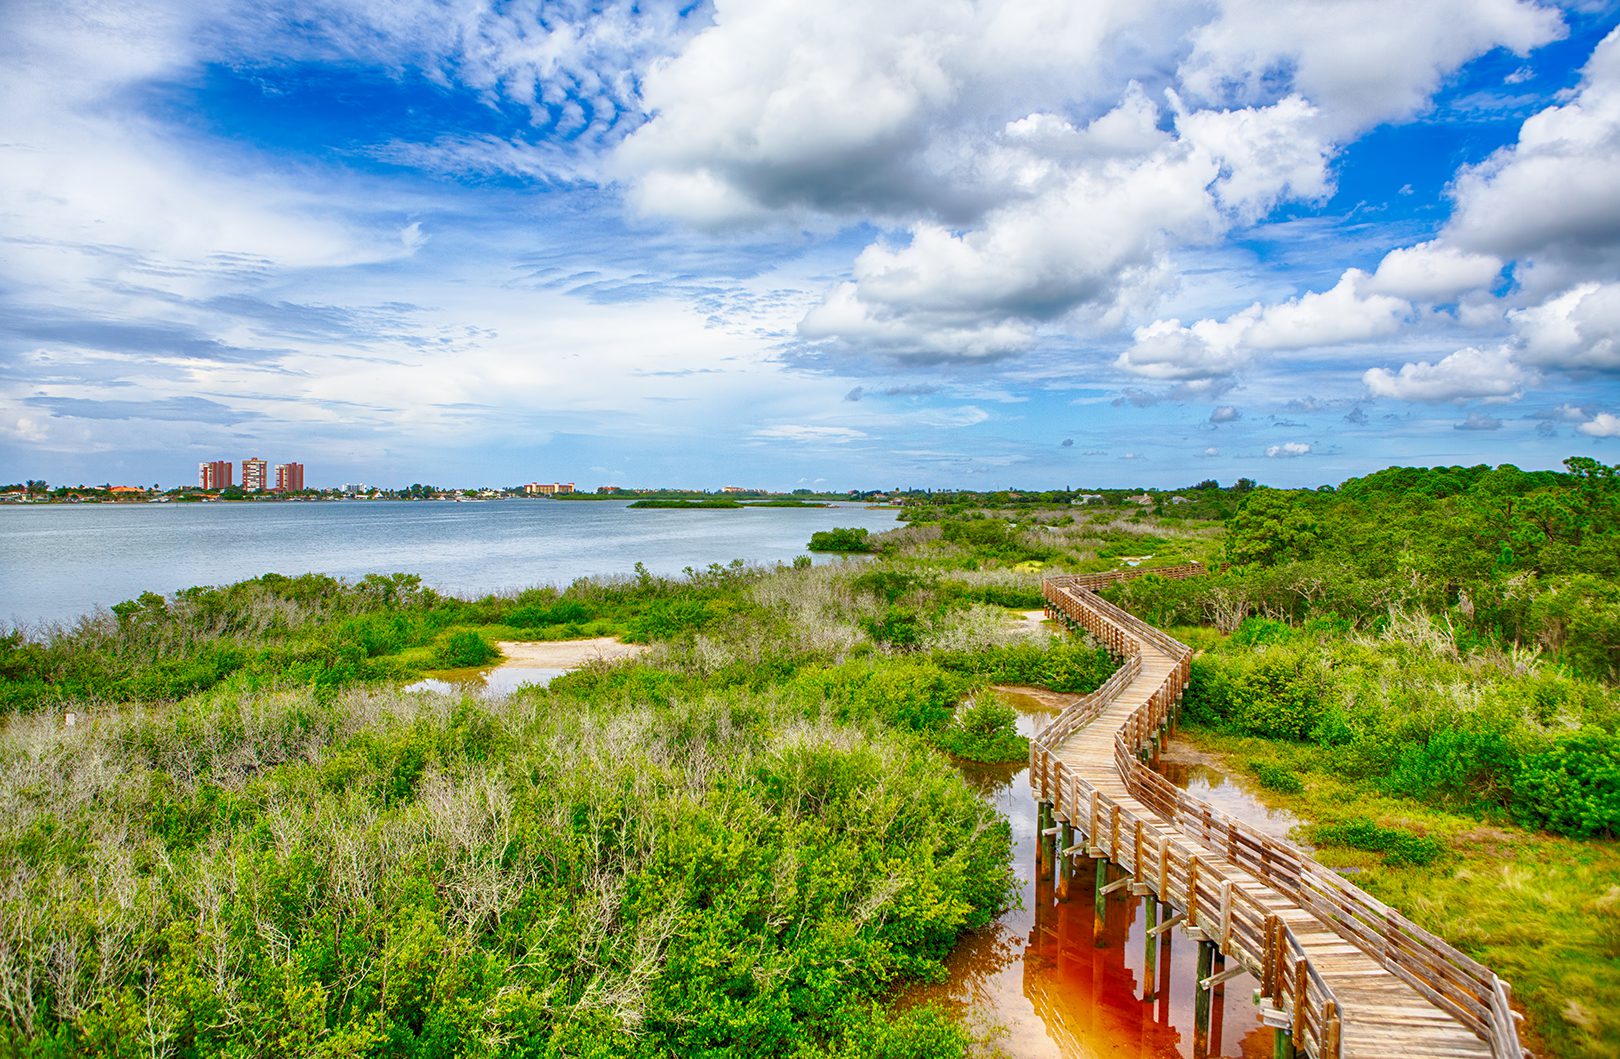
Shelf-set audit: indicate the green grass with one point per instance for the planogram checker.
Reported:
(1540, 910)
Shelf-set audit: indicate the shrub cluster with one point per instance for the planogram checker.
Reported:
(378, 874)
(1398, 845)
(1412, 714)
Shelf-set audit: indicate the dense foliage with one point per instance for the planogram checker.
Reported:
(1506, 556)
(1413, 594)
(566, 873)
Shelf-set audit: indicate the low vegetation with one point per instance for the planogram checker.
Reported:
(743, 844)
(748, 840)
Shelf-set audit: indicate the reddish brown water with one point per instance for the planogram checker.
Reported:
(1051, 979)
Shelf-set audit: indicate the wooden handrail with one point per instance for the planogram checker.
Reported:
(1245, 930)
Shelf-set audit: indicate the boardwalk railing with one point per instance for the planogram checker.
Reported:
(1150, 848)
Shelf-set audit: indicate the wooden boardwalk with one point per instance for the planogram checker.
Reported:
(1340, 973)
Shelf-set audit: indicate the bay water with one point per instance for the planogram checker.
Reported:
(61, 561)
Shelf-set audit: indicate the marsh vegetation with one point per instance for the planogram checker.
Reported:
(748, 839)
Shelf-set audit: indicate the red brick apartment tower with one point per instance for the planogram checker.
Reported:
(215, 474)
(289, 477)
(253, 477)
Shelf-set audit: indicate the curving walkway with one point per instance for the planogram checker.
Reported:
(1340, 973)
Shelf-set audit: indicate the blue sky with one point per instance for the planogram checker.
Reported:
(1131, 242)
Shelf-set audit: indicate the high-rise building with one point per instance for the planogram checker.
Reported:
(214, 474)
(253, 479)
(289, 477)
(548, 488)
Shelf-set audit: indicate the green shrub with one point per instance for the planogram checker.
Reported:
(844, 539)
(986, 730)
(888, 585)
(563, 612)
(1572, 787)
(1254, 632)
(1273, 692)
(1274, 777)
(665, 619)
(464, 648)
(897, 628)
(1066, 665)
(1398, 845)
(905, 692)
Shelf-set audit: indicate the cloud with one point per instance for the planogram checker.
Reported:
(1578, 330)
(1267, 154)
(1602, 425)
(1347, 312)
(1433, 272)
(174, 409)
(1068, 443)
(1357, 416)
(1225, 414)
(855, 394)
(1475, 421)
(1468, 374)
(1208, 349)
(1288, 450)
(1212, 349)
(828, 435)
(1363, 63)
(1552, 197)
(839, 109)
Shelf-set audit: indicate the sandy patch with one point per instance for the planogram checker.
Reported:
(1030, 623)
(566, 654)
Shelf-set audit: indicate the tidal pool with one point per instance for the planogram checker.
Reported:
(491, 681)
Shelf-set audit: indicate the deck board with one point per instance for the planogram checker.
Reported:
(1381, 1014)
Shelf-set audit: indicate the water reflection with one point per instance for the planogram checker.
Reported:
(493, 682)
(1056, 979)
(1195, 773)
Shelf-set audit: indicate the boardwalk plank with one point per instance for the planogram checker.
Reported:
(1381, 1014)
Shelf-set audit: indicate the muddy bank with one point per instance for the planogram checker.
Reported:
(526, 664)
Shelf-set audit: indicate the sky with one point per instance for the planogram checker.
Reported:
(827, 245)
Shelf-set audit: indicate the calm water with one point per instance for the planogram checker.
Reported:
(59, 561)
(1060, 982)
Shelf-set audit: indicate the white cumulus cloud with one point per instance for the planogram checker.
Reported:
(1288, 449)
(1433, 272)
(1602, 425)
(1578, 330)
(1467, 374)
(1553, 197)
(1362, 62)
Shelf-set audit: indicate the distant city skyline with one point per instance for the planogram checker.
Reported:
(216, 475)
(1121, 243)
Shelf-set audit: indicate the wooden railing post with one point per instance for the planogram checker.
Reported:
(1463, 987)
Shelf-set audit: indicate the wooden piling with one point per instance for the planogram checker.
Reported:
(1206, 957)
(1150, 976)
(1065, 862)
